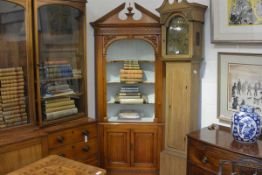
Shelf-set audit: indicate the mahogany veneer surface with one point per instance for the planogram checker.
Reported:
(221, 137)
(208, 146)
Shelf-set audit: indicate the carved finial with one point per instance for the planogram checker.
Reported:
(130, 9)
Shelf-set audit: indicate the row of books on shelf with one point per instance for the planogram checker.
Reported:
(58, 108)
(58, 69)
(12, 97)
(59, 88)
(131, 73)
(131, 95)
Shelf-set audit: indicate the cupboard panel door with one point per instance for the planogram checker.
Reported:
(177, 104)
(144, 147)
(117, 147)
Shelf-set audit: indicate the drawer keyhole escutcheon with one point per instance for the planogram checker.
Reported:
(205, 160)
(86, 135)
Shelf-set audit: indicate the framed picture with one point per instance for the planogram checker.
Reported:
(239, 83)
(236, 21)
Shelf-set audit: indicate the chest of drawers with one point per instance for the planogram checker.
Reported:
(77, 142)
(208, 146)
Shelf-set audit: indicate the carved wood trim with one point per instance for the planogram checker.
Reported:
(128, 31)
(153, 40)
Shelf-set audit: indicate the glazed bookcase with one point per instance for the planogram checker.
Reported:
(60, 60)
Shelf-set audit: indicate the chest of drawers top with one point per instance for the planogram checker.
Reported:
(220, 137)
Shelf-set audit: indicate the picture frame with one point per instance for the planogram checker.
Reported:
(239, 83)
(229, 24)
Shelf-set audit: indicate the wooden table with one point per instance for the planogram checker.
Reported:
(56, 165)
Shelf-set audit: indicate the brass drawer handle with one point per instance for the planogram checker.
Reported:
(85, 149)
(205, 160)
(60, 139)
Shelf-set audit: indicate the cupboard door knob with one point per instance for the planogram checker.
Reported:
(62, 155)
(205, 160)
(60, 139)
(85, 149)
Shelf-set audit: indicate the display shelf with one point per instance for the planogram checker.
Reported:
(61, 79)
(143, 82)
(145, 103)
(74, 95)
(50, 122)
(116, 119)
(121, 61)
(60, 50)
(121, 71)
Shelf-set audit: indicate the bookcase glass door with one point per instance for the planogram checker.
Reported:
(60, 35)
(13, 66)
(130, 72)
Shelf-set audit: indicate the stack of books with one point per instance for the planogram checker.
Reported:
(59, 107)
(77, 73)
(129, 115)
(131, 73)
(56, 69)
(12, 97)
(57, 89)
(129, 95)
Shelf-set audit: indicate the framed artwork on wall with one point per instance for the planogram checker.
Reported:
(239, 83)
(236, 21)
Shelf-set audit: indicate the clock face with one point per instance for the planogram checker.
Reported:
(177, 37)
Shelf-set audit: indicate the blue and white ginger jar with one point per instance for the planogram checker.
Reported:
(246, 125)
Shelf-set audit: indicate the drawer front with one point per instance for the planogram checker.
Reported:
(208, 157)
(84, 151)
(92, 161)
(194, 170)
(71, 136)
(65, 151)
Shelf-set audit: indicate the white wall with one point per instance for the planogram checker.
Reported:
(98, 8)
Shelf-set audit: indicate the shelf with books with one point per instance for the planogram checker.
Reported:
(125, 60)
(60, 50)
(130, 82)
(116, 119)
(144, 103)
(13, 97)
(72, 95)
(119, 82)
(131, 113)
(61, 79)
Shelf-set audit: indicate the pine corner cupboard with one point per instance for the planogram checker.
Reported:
(182, 44)
(43, 94)
(128, 90)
